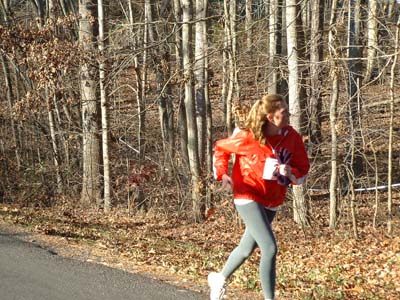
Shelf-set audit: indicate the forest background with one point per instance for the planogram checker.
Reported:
(110, 110)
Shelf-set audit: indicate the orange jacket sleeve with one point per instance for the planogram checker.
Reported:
(225, 147)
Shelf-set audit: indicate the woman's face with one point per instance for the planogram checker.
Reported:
(280, 118)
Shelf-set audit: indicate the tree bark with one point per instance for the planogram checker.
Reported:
(199, 76)
(166, 110)
(249, 24)
(273, 59)
(9, 95)
(182, 124)
(56, 156)
(103, 105)
(391, 124)
(230, 49)
(372, 43)
(316, 50)
(191, 110)
(299, 202)
(332, 118)
(209, 147)
(90, 138)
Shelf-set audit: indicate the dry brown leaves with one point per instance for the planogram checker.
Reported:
(315, 263)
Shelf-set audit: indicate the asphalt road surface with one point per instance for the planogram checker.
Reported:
(29, 272)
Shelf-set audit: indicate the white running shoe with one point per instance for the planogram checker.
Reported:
(217, 285)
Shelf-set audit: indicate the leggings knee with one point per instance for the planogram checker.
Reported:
(269, 251)
(245, 252)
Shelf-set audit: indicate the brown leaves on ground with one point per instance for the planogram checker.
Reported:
(315, 263)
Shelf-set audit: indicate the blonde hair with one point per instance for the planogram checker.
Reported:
(257, 117)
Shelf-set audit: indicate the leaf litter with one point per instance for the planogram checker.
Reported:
(312, 263)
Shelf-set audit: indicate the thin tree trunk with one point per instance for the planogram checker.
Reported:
(273, 55)
(354, 66)
(9, 95)
(91, 150)
(376, 205)
(199, 75)
(299, 202)
(56, 157)
(103, 105)
(51, 101)
(391, 8)
(234, 71)
(316, 48)
(332, 119)
(165, 106)
(209, 147)
(249, 24)
(182, 124)
(148, 37)
(41, 11)
(391, 124)
(372, 38)
(190, 111)
(229, 8)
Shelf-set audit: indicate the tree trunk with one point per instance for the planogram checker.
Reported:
(209, 147)
(391, 8)
(230, 49)
(315, 100)
(299, 202)
(52, 8)
(234, 71)
(166, 109)
(40, 6)
(353, 160)
(182, 124)
(391, 124)
(191, 110)
(273, 47)
(51, 102)
(56, 157)
(103, 104)
(9, 95)
(372, 39)
(332, 119)
(249, 24)
(91, 150)
(199, 76)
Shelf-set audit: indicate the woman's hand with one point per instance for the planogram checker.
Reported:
(227, 183)
(285, 170)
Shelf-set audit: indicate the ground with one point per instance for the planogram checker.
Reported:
(313, 263)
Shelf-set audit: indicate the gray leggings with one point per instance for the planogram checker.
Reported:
(258, 232)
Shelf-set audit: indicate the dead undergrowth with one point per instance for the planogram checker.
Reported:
(313, 263)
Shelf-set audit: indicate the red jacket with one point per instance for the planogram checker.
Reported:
(249, 164)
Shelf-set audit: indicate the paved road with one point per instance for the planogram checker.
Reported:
(29, 272)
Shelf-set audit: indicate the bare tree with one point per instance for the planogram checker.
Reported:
(372, 43)
(160, 52)
(249, 24)
(299, 202)
(9, 91)
(51, 97)
(104, 114)
(228, 63)
(191, 110)
(333, 117)
(354, 163)
(273, 46)
(391, 124)
(88, 82)
(199, 76)
(9, 95)
(316, 49)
